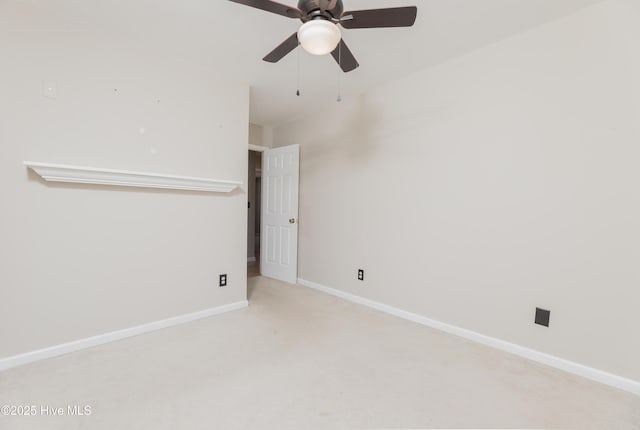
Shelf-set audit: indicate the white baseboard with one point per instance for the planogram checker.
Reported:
(531, 354)
(65, 348)
(251, 259)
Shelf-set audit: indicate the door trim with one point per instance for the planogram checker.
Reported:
(258, 148)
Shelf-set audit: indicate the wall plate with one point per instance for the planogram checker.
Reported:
(542, 317)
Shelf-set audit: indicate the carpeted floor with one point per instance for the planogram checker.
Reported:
(299, 359)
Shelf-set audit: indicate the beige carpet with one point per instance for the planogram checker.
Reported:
(299, 359)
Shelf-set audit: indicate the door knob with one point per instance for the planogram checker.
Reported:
(292, 221)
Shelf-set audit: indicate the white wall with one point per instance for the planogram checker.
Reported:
(256, 134)
(260, 135)
(476, 190)
(77, 261)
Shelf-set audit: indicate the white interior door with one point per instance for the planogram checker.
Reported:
(279, 232)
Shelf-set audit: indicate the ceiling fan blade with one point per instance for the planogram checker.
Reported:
(271, 6)
(283, 49)
(377, 18)
(344, 57)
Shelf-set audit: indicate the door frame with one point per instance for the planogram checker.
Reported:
(258, 148)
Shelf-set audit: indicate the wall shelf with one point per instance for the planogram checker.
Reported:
(91, 175)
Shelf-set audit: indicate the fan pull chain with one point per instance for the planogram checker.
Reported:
(339, 99)
(298, 78)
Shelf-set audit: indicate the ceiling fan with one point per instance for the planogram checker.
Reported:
(320, 34)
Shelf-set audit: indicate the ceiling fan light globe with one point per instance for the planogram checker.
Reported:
(319, 37)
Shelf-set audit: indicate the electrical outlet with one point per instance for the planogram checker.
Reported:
(223, 280)
(542, 317)
(360, 275)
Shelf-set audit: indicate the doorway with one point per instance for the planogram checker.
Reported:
(254, 197)
(272, 226)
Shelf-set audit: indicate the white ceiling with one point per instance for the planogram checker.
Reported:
(234, 38)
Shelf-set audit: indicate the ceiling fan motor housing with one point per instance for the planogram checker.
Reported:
(314, 9)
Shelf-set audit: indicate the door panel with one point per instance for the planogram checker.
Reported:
(279, 242)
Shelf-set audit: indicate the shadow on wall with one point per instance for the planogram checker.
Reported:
(362, 127)
(348, 136)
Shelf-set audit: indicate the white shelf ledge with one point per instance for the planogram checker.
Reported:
(125, 178)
